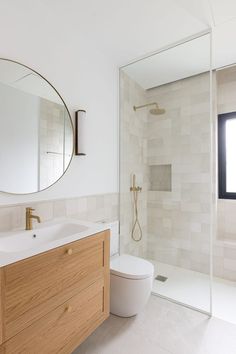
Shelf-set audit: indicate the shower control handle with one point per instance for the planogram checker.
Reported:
(135, 189)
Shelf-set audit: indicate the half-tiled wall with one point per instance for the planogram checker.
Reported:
(102, 207)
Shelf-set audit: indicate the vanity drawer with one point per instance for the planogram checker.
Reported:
(63, 329)
(35, 286)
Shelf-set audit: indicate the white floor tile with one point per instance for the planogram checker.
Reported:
(193, 289)
(162, 328)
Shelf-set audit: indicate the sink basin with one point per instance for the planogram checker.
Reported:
(25, 240)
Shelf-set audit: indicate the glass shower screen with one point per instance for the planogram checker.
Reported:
(165, 140)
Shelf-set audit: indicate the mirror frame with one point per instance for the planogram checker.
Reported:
(71, 122)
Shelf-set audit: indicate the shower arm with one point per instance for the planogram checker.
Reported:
(146, 105)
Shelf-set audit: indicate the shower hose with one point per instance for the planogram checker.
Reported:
(136, 224)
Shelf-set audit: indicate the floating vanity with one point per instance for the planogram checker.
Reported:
(54, 286)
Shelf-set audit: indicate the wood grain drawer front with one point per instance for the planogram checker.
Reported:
(37, 285)
(62, 330)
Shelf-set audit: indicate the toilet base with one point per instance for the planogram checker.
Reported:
(129, 296)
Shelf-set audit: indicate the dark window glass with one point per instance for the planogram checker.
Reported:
(227, 155)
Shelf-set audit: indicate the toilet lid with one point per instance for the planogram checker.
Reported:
(131, 267)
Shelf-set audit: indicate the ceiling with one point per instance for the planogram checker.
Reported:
(192, 57)
(212, 12)
(120, 31)
(176, 63)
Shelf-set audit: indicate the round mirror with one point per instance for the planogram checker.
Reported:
(36, 131)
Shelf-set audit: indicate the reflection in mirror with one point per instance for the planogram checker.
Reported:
(36, 133)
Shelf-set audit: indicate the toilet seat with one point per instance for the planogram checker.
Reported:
(131, 267)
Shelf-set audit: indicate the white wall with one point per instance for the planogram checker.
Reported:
(85, 78)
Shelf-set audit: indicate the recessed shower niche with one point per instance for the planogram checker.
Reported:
(160, 177)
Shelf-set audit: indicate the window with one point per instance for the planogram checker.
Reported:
(227, 155)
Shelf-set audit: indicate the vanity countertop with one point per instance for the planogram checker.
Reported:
(21, 244)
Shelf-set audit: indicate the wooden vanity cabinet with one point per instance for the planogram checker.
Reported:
(52, 301)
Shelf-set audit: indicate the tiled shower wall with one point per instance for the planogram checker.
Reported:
(225, 243)
(177, 222)
(102, 207)
(132, 161)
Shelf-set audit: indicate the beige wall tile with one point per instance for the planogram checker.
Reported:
(95, 208)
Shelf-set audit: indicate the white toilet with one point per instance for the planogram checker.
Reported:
(131, 280)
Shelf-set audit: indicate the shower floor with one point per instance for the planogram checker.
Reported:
(193, 289)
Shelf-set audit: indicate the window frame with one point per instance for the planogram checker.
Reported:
(222, 119)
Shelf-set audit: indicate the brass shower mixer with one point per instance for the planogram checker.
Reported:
(135, 189)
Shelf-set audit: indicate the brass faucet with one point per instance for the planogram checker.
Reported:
(29, 217)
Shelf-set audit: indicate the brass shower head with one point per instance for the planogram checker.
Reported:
(155, 111)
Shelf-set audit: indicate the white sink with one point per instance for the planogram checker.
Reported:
(25, 240)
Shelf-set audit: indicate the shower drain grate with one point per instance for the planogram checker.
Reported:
(161, 278)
